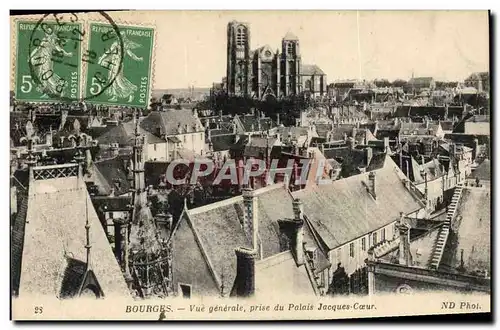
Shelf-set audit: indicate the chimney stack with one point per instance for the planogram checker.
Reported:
(475, 149)
(251, 216)
(298, 232)
(277, 119)
(121, 246)
(372, 185)
(368, 155)
(404, 241)
(244, 283)
(387, 147)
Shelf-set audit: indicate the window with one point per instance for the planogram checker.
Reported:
(241, 36)
(185, 290)
(374, 238)
(363, 244)
(289, 49)
(154, 147)
(184, 137)
(382, 234)
(351, 250)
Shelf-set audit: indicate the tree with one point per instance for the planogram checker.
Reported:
(399, 83)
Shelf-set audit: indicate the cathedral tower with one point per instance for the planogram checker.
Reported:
(290, 65)
(238, 59)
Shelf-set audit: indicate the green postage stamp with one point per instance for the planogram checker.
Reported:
(122, 76)
(48, 61)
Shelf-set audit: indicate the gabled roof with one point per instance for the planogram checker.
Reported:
(171, 122)
(49, 235)
(116, 172)
(344, 210)
(124, 135)
(218, 227)
(310, 69)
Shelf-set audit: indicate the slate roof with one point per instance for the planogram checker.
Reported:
(219, 227)
(338, 132)
(124, 135)
(292, 132)
(45, 242)
(222, 142)
(323, 129)
(419, 128)
(447, 125)
(171, 121)
(483, 171)
(278, 275)
(247, 121)
(310, 69)
(114, 171)
(110, 204)
(473, 227)
(344, 210)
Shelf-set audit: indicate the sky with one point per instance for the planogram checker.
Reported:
(448, 45)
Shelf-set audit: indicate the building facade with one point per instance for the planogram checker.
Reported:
(265, 72)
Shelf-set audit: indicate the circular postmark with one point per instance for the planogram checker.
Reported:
(56, 56)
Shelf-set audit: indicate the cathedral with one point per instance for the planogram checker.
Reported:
(264, 73)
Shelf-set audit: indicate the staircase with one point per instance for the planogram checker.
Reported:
(444, 231)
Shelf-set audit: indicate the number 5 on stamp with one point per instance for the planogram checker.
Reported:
(119, 65)
(48, 61)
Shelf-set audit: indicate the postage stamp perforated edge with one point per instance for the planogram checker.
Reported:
(124, 23)
(33, 19)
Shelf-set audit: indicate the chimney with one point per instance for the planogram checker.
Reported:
(368, 156)
(372, 185)
(386, 144)
(195, 112)
(121, 227)
(404, 241)
(277, 119)
(351, 143)
(354, 132)
(475, 149)
(186, 128)
(298, 232)
(244, 283)
(234, 128)
(251, 216)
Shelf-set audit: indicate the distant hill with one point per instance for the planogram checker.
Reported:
(197, 93)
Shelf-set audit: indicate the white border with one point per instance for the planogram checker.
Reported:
(200, 4)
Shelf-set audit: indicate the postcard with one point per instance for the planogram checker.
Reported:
(249, 165)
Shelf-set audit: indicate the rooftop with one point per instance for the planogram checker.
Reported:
(46, 244)
(344, 210)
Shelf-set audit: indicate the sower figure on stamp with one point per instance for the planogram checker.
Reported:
(121, 86)
(43, 66)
